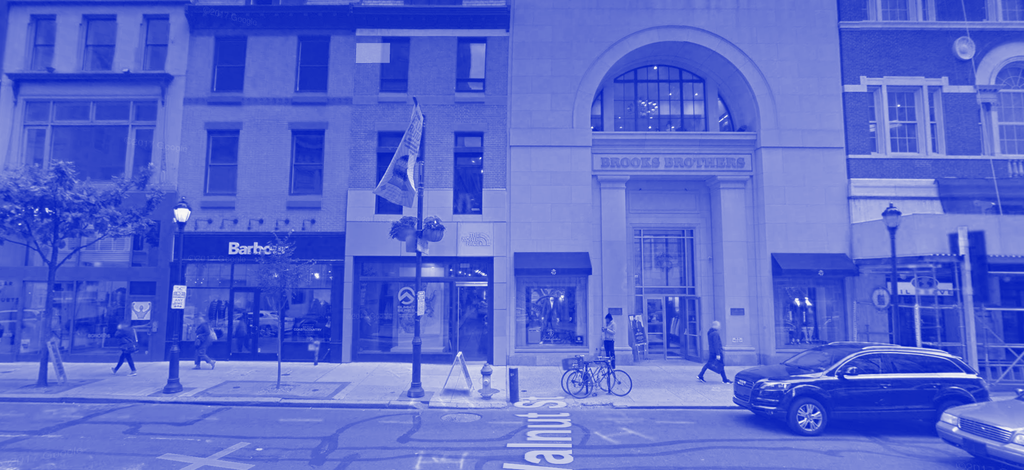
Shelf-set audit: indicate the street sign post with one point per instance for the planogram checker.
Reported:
(178, 297)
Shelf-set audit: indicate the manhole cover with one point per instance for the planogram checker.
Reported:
(460, 417)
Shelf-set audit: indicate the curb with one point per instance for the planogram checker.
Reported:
(248, 402)
(293, 403)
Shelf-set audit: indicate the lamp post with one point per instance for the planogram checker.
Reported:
(891, 216)
(182, 212)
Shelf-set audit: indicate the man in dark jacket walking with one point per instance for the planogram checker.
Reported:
(203, 341)
(716, 357)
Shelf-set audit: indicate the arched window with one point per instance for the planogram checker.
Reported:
(724, 118)
(659, 98)
(1010, 111)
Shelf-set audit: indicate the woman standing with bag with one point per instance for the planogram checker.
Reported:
(128, 343)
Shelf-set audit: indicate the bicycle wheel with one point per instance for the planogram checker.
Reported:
(622, 383)
(565, 380)
(601, 378)
(578, 384)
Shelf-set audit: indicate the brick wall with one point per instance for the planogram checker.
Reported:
(855, 108)
(900, 168)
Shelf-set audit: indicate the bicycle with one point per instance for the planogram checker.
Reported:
(579, 378)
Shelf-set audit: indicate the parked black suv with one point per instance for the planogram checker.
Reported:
(858, 380)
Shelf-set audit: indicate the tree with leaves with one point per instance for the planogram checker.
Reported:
(278, 275)
(56, 215)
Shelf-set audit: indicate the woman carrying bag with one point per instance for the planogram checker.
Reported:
(129, 343)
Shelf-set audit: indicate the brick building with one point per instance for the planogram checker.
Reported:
(293, 112)
(934, 127)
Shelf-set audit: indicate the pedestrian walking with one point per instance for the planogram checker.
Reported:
(609, 338)
(716, 355)
(128, 341)
(204, 339)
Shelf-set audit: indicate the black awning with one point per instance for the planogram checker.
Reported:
(813, 264)
(552, 264)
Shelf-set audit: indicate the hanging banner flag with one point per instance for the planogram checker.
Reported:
(398, 184)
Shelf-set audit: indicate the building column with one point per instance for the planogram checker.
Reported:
(731, 266)
(615, 259)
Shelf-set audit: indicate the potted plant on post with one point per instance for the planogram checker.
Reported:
(433, 230)
(402, 228)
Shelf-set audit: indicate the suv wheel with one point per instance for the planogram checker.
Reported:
(807, 417)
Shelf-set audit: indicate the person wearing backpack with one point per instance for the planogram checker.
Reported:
(125, 334)
(204, 339)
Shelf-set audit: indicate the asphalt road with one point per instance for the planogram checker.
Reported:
(178, 437)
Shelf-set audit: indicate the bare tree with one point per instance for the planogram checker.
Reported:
(278, 275)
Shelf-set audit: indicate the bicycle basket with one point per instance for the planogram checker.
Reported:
(571, 363)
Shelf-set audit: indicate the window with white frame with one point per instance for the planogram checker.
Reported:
(119, 135)
(906, 119)
(100, 36)
(1011, 10)
(1010, 110)
(222, 162)
(44, 36)
(901, 10)
(158, 32)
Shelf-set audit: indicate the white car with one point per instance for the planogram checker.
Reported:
(991, 430)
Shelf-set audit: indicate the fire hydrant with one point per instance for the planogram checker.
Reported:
(486, 391)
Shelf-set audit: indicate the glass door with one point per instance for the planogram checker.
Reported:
(656, 345)
(245, 325)
(473, 336)
(672, 326)
(690, 329)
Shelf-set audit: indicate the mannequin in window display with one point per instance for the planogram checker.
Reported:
(794, 321)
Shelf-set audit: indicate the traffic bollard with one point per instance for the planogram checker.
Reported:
(513, 384)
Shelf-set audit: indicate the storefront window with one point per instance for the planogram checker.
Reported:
(551, 312)
(86, 315)
(245, 317)
(387, 312)
(457, 314)
(209, 303)
(809, 312)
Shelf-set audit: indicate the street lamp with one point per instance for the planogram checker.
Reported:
(181, 214)
(891, 216)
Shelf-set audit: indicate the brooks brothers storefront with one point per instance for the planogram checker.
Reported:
(223, 288)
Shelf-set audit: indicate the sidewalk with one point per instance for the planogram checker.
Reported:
(354, 385)
(359, 385)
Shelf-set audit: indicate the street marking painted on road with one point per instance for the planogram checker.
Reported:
(175, 438)
(50, 436)
(440, 460)
(607, 438)
(630, 431)
(300, 420)
(211, 461)
(675, 422)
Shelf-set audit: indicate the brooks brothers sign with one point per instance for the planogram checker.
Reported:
(672, 163)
